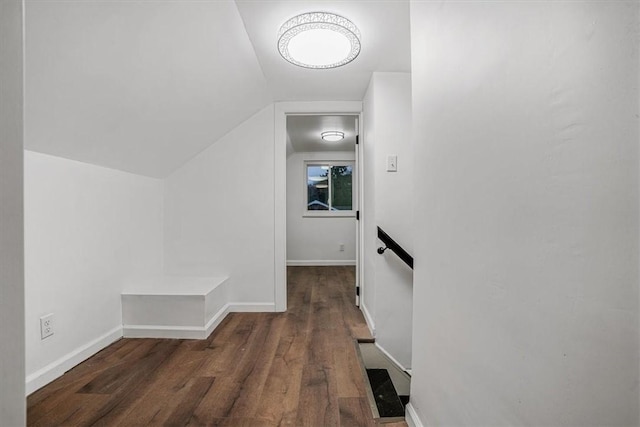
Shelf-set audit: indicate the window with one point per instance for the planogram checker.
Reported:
(329, 188)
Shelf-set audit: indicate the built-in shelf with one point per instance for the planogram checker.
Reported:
(173, 307)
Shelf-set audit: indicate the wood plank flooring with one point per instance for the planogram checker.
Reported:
(297, 368)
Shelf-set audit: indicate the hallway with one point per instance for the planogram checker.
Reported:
(257, 369)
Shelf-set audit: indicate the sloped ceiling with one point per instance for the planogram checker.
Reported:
(140, 86)
(386, 46)
(144, 85)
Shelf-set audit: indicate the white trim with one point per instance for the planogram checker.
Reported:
(358, 207)
(319, 262)
(367, 316)
(411, 416)
(281, 109)
(56, 369)
(162, 331)
(390, 357)
(216, 319)
(251, 307)
(329, 214)
(177, 332)
(196, 332)
(44, 376)
(305, 180)
(280, 206)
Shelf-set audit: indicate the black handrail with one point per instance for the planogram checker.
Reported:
(395, 247)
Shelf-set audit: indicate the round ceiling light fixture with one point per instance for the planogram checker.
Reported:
(319, 40)
(332, 136)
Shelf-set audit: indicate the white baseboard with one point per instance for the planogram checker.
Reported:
(390, 357)
(44, 376)
(367, 318)
(216, 320)
(411, 416)
(196, 332)
(158, 331)
(176, 332)
(252, 307)
(319, 263)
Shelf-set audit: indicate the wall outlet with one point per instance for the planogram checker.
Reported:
(46, 326)
(341, 247)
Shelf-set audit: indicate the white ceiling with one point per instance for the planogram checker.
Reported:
(384, 25)
(143, 86)
(304, 133)
(140, 86)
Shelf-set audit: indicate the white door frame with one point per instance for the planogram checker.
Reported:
(281, 110)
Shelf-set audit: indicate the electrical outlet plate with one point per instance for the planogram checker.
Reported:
(46, 326)
(392, 163)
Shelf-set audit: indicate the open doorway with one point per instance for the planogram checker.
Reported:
(322, 191)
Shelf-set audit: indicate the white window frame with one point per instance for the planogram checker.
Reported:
(328, 213)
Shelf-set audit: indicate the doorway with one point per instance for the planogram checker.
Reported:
(317, 189)
(322, 191)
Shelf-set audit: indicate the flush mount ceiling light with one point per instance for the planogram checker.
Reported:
(319, 40)
(332, 136)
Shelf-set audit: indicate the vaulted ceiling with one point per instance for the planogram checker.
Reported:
(143, 86)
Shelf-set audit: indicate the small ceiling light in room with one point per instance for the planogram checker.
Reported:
(319, 40)
(332, 136)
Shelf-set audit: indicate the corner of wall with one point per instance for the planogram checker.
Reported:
(211, 231)
(57, 368)
(12, 290)
(412, 418)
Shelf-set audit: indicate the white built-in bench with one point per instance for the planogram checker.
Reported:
(174, 307)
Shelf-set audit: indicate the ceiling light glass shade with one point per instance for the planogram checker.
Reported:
(319, 40)
(332, 136)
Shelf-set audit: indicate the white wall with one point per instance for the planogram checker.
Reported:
(388, 203)
(312, 239)
(12, 401)
(88, 229)
(526, 154)
(219, 212)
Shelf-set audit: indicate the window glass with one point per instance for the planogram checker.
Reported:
(329, 187)
(317, 188)
(341, 182)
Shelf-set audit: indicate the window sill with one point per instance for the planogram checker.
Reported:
(327, 214)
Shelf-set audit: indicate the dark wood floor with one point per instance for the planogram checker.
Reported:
(297, 368)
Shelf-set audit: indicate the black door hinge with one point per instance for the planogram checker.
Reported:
(357, 215)
(357, 139)
(357, 290)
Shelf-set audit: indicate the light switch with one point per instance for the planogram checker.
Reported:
(392, 163)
